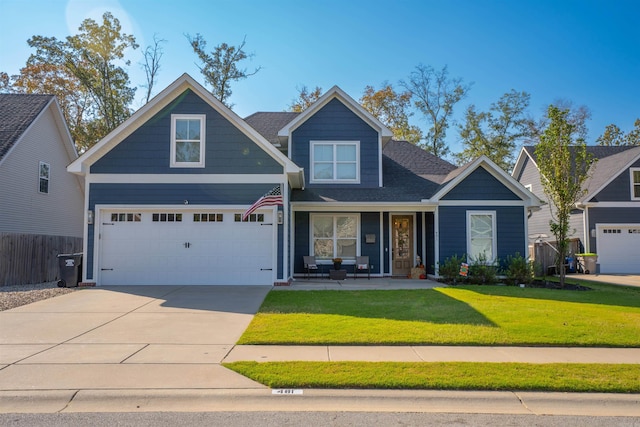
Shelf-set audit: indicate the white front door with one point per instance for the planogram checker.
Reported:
(185, 247)
(618, 248)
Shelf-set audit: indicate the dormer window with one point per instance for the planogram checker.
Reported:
(335, 162)
(635, 183)
(187, 140)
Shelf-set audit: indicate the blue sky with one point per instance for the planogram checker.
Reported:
(585, 51)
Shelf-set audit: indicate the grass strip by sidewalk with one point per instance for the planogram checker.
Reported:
(560, 377)
(607, 316)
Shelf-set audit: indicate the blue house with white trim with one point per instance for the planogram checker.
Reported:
(166, 190)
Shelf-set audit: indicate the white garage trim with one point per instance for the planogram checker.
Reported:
(216, 240)
(618, 248)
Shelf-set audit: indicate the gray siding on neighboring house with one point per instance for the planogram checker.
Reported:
(169, 194)
(480, 185)
(23, 209)
(336, 122)
(618, 190)
(147, 149)
(453, 230)
(538, 223)
(618, 215)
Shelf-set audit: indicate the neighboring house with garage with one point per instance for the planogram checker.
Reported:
(40, 203)
(606, 220)
(168, 189)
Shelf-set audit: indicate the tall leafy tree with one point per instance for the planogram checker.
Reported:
(614, 136)
(84, 71)
(564, 164)
(305, 99)
(75, 101)
(435, 94)
(220, 67)
(495, 133)
(392, 109)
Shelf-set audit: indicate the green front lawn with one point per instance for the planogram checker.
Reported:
(464, 315)
(445, 376)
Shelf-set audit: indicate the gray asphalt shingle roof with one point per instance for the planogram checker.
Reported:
(17, 112)
(269, 123)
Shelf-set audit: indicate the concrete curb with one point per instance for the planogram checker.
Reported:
(426, 401)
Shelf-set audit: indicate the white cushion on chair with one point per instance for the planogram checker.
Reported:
(362, 266)
(310, 266)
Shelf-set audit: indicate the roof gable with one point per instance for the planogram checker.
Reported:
(17, 113)
(605, 170)
(459, 175)
(611, 162)
(160, 101)
(336, 93)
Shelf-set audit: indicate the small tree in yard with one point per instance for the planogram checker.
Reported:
(564, 166)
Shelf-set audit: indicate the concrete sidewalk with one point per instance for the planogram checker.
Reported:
(160, 348)
(275, 353)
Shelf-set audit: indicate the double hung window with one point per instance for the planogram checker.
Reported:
(187, 140)
(635, 183)
(481, 236)
(44, 171)
(334, 236)
(335, 161)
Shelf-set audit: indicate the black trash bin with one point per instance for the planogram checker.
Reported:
(70, 270)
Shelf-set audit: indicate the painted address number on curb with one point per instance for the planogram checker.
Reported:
(286, 391)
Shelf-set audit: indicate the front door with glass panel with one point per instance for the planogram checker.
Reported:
(402, 244)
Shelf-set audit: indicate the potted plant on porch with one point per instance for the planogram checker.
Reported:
(337, 263)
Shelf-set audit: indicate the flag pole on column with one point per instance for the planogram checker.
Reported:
(272, 197)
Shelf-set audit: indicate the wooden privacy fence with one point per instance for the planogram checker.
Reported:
(33, 258)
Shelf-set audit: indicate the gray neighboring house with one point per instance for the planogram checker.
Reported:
(606, 220)
(41, 204)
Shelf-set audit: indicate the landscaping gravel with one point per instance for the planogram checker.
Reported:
(15, 296)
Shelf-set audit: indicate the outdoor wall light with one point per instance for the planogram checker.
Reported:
(280, 217)
(89, 217)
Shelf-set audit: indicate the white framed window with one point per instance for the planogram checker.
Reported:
(187, 140)
(635, 183)
(481, 235)
(335, 161)
(334, 236)
(44, 176)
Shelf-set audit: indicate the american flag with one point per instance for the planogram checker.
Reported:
(271, 198)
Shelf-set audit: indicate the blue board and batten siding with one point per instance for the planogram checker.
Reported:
(147, 149)
(510, 233)
(336, 122)
(618, 190)
(369, 224)
(510, 220)
(480, 185)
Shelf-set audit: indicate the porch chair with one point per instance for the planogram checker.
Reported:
(362, 263)
(309, 265)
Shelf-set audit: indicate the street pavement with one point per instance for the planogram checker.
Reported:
(160, 348)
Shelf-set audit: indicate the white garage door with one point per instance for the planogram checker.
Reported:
(185, 247)
(619, 248)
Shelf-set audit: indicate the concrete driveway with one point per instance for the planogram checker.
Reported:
(152, 337)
